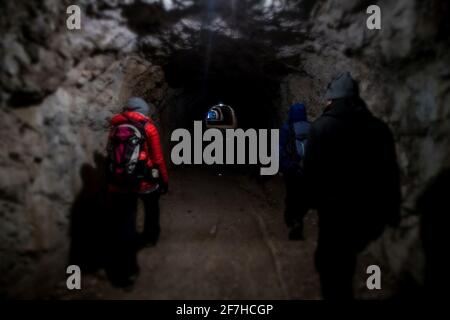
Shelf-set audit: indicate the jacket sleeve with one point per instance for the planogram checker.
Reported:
(310, 166)
(156, 154)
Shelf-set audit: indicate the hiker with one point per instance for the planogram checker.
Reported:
(352, 180)
(221, 116)
(293, 139)
(136, 171)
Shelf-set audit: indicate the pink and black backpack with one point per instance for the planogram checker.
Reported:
(126, 141)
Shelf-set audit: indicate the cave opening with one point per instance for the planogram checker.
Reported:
(244, 75)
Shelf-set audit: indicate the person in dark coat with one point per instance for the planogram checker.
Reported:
(352, 180)
(293, 138)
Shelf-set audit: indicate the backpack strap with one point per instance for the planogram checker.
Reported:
(140, 125)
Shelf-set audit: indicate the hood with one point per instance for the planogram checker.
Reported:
(137, 104)
(297, 112)
(342, 86)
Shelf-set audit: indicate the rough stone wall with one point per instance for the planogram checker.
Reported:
(59, 88)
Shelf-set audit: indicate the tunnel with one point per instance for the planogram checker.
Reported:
(249, 85)
(223, 235)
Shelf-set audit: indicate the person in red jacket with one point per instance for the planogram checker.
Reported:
(150, 180)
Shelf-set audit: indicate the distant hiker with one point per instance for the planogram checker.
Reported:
(221, 116)
(353, 181)
(293, 140)
(136, 170)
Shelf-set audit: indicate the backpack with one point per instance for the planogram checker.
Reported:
(125, 143)
(298, 138)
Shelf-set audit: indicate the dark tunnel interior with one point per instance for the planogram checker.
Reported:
(227, 72)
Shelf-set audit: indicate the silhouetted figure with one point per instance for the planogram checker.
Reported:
(434, 207)
(293, 140)
(87, 231)
(353, 182)
(136, 170)
(221, 116)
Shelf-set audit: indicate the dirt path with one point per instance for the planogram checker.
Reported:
(222, 237)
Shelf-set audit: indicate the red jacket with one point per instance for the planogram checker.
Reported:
(151, 151)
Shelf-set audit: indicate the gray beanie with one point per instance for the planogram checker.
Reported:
(138, 105)
(342, 86)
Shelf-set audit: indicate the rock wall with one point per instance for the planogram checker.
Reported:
(59, 88)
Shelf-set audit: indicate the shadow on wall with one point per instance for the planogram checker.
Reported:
(89, 217)
(434, 208)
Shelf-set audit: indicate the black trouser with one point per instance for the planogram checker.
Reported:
(336, 265)
(295, 203)
(341, 239)
(152, 227)
(123, 237)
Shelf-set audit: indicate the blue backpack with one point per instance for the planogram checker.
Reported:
(298, 138)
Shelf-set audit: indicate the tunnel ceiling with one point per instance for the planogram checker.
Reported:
(165, 27)
(234, 52)
(209, 46)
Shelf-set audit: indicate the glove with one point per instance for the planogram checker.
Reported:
(164, 188)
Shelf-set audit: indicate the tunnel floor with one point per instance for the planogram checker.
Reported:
(223, 237)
